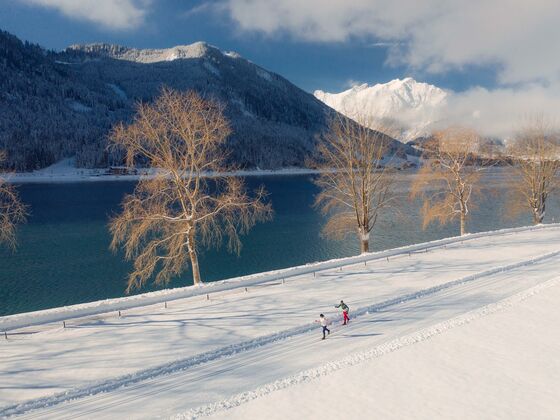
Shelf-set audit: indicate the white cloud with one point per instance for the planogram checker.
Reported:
(521, 37)
(499, 112)
(196, 10)
(113, 14)
(385, 44)
(517, 38)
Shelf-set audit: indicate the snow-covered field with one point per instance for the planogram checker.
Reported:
(428, 329)
(497, 362)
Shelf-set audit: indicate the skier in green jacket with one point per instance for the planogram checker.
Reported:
(345, 310)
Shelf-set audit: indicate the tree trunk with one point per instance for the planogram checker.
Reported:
(364, 242)
(194, 260)
(364, 245)
(463, 219)
(195, 268)
(538, 216)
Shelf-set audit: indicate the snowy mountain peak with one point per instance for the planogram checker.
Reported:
(196, 50)
(413, 105)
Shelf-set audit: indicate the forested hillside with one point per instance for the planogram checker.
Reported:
(48, 111)
(61, 104)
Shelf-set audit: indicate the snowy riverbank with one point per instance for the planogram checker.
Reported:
(65, 171)
(198, 356)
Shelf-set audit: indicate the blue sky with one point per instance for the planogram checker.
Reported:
(330, 65)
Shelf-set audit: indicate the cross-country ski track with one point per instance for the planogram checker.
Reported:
(391, 301)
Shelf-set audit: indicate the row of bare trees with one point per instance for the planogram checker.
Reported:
(450, 181)
(357, 182)
(191, 201)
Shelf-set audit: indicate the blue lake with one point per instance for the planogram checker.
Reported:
(63, 255)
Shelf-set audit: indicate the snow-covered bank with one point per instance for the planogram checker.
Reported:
(28, 319)
(65, 171)
(155, 361)
(499, 361)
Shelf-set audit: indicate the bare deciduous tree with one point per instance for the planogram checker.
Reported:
(535, 158)
(449, 179)
(172, 213)
(12, 210)
(356, 186)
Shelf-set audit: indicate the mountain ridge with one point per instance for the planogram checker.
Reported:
(146, 55)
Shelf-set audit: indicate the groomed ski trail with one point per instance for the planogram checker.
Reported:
(221, 378)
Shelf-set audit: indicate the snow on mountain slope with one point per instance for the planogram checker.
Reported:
(195, 50)
(412, 105)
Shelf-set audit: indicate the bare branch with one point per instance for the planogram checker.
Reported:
(12, 210)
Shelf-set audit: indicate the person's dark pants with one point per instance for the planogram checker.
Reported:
(325, 330)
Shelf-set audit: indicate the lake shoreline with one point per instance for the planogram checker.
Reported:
(91, 176)
(65, 171)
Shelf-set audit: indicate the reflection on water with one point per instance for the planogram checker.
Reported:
(63, 255)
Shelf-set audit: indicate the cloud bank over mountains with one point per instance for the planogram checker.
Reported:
(435, 35)
(517, 39)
